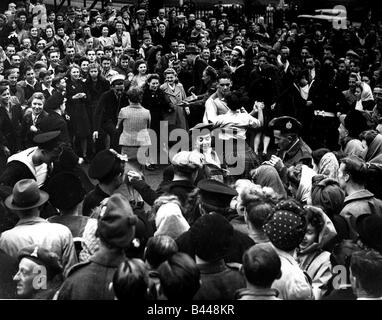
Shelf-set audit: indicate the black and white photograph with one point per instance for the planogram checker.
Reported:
(183, 156)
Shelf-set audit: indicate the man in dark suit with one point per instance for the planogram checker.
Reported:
(55, 118)
(107, 110)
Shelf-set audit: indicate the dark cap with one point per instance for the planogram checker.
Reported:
(102, 164)
(43, 257)
(65, 190)
(46, 137)
(285, 124)
(216, 193)
(117, 225)
(53, 102)
(369, 228)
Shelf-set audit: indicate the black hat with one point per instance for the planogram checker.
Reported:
(102, 164)
(53, 102)
(44, 257)
(47, 140)
(216, 193)
(285, 124)
(211, 236)
(65, 190)
(369, 227)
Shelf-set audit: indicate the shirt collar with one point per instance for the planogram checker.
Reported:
(43, 87)
(30, 221)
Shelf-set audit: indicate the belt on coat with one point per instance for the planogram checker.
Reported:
(323, 113)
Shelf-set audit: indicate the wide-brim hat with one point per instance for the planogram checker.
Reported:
(26, 195)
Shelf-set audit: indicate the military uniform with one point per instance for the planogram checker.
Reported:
(219, 281)
(300, 152)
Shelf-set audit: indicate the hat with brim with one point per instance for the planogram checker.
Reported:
(117, 78)
(26, 195)
(216, 193)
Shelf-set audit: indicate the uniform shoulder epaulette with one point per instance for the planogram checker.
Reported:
(234, 265)
(76, 267)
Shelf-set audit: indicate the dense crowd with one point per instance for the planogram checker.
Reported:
(268, 133)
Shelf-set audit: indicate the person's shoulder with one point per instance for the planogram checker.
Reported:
(77, 269)
(60, 228)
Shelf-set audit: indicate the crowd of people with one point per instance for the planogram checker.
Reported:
(275, 194)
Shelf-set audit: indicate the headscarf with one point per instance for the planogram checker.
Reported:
(287, 226)
(328, 166)
(169, 220)
(327, 233)
(267, 176)
(375, 148)
(327, 194)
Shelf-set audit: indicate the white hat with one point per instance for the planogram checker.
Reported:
(240, 49)
(117, 77)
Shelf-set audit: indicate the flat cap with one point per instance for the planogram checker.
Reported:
(285, 124)
(187, 161)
